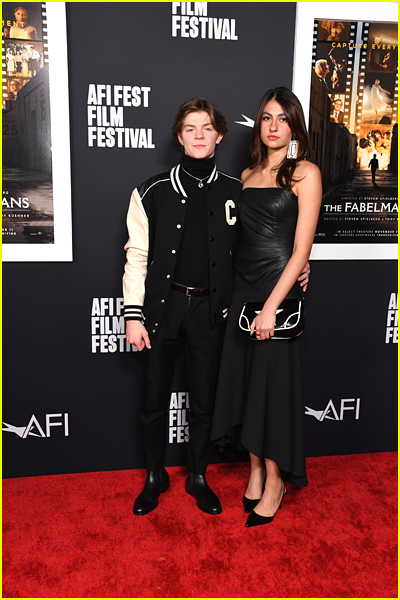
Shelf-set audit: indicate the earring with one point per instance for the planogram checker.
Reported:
(292, 148)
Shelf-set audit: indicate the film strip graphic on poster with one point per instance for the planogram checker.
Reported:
(353, 129)
(27, 202)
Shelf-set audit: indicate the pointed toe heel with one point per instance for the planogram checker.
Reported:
(255, 519)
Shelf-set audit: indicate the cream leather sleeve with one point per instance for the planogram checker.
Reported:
(137, 248)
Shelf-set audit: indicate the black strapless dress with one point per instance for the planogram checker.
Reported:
(260, 395)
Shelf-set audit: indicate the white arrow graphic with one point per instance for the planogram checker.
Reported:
(247, 123)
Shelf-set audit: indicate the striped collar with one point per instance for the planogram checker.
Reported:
(177, 184)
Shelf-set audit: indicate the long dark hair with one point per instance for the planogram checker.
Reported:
(295, 116)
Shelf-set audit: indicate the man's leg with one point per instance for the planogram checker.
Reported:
(159, 366)
(203, 348)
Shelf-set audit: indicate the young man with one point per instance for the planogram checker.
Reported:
(178, 285)
(374, 164)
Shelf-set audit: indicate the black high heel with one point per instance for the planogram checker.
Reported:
(249, 504)
(255, 519)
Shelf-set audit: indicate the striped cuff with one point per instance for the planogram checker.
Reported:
(133, 313)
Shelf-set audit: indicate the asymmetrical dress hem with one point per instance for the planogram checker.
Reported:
(261, 394)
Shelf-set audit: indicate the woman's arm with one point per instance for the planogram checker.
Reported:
(309, 193)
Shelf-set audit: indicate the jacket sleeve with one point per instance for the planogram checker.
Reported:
(137, 249)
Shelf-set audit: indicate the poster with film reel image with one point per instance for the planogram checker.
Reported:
(353, 130)
(346, 78)
(33, 129)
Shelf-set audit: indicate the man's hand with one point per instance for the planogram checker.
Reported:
(136, 334)
(305, 276)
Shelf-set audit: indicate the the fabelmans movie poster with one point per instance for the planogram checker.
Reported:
(353, 130)
(34, 95)
(27, 203)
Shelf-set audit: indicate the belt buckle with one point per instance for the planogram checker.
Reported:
(187, 291)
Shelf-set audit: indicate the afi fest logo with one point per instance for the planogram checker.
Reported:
(190, 20)
(34, 428)
(179, 408)
(392, 321)
(330, 412)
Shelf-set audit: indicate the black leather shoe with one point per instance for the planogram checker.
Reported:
(255, 519)
(249, 504)
(156, 483)
(207, 501)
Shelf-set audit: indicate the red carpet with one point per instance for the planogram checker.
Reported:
(74, 536)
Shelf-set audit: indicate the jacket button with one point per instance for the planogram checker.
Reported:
(183, 201)
(162, 301)
(213, 289)
(173, 251)
(168, 276)
(214, 315)
(178, 226)
(213, 264)
(210, 212)
(211, 239)
(153, 331)
(155, 324)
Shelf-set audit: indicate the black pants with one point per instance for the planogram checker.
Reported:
(186, 318)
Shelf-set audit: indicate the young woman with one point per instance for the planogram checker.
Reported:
(13, 88)
(261, 384)
(10, 62)
(376, 99)
(18, 63)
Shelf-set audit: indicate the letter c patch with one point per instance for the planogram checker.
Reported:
(229, 204)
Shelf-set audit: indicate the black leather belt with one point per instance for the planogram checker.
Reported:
(190, 291)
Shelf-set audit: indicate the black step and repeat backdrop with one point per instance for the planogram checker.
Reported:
(72, 385)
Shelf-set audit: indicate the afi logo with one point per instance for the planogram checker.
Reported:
(331, 413)
(34, 428)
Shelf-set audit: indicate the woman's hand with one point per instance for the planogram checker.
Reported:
(264, 323)
(304, 277)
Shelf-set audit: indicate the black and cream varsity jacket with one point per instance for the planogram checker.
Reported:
(155, 221)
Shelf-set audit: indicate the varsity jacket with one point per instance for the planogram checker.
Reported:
(155, 221)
